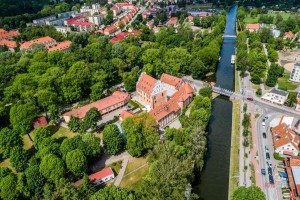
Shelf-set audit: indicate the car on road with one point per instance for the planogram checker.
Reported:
(266, 118)
(264, 135)
(269, 170)
(263, 172)
(269, 164)
(271, 179)
(268, 156)
(263, 123)
(267, 148)
(250, 99)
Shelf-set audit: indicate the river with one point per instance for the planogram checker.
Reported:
(215, 176)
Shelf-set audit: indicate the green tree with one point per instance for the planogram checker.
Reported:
(205, 92)
(52, 167)
(91, 118)
(92, 148)
(8, 186)
(19, 158)
(8, 140)
(74, 124)
(112, 139)
(197, 21)
(252, 192)
(112, 192)
(35, 180)
(76, 162)
(40, 134)
(73, 143)
(292, 98)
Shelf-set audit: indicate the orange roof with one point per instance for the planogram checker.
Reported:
(125, 114)
(289, 34)
(173, 20)
(172, 105)
(8, 43)
(8, 34)
(43, 40)
(253, 26)
(190, 18)
(102, 104)
(40, 122)
(146, 83)
(294, 161)
(288, 153)
(101, 174)
(111, 28)
(60, 46)
(171, 80)
(283, 135)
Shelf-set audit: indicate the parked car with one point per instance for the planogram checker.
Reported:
(269, 170)
(268, 156)
(250, 99)
(263, 172)
(271, 179)
(269, 164)
(263, 123)
(267, 148)
(264, 135)
(266, 118)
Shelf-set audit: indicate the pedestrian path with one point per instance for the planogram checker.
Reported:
(121, 172)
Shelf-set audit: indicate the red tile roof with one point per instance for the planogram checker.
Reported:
(102, 104)
(60, 46)
(253, 26)
(8, 34)
(101, 174)
(190, 18)
(171, 80)
(43, 40)
(283, 135)
(173, 20)
(125, 114)
(146, 83)
(8, 43)
(289, 34)
(110, 29)
(40, 122)
(172, 105)
(135, 32)
(123, 4)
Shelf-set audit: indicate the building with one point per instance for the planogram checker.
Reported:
(102, 176)
(40, 122)
(295, 74)
(169, 111)
(150, 92)
(79, 24)
(286, 141)
(62, 46)
(11, 45)
(67, 14)
(253, 27)
(47, 41)
(96, 19)
(173, 21)
(116, 10)
(8, 35)
(200, 14)
(125, 6)
(298, 103)
(62, 29)
(292, 166)
(150, 24)
(288, 35)
(96, 8)
(171, 83)
(115, 101)
(276, 96)
(42, 21)
(110, 30)
(276, 33)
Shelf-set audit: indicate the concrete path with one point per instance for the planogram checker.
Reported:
(121, 172)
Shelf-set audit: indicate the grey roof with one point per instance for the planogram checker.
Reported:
(279, 92)
(296, 174)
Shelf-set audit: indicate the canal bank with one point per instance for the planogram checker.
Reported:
(215, 175)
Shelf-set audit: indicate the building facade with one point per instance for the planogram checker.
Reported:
(102, 176)
(276, 96)
(295, 74)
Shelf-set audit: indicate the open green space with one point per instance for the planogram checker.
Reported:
(251, 20)
(116, 167)
(6, 163)
(136, 169)
(285, 84)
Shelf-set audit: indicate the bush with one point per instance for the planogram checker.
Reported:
(278, 157)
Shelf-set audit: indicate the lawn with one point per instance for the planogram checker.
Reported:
(136, 169)
(6, 163)
(234, 153)
(116, 167)
(285, 84)
(237, 82)
(250, 20)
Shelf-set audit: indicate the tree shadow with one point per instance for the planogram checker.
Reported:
(53, 129)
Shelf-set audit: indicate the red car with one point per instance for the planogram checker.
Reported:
(250, 99)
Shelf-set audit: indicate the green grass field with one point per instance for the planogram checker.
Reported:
(285, 84)
(250, 20)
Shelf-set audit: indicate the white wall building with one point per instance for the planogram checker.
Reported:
(276, 96)
(95, 9)
(42, 21)
(102, 176)
(295, 74)
(97, 19)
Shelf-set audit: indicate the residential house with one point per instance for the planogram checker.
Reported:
(110, 30)
(288, 35)
(125, 6)
(40, 122)
(295, 74)
(42, 21)
(97, 19)
(191, 19)
(173, 21)
(102, 176)
(79, 24)
(62, 46)
(11, 45)
(125, 114)
(150, 24)
(8, 35)
(276, 96)
(123, 35)
(116, 10)
(104, 106)
(156, 29)
(62, 29)
(47, 41)
(169, 111)
(171, 83)
(67, 14)
(292, 166)
(253, 27)
(286, 141)
(96, 8)
(276, 33)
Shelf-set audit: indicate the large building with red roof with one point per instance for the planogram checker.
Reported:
(47, 41)
(102, 176)
(110, 30)
(8, 35)
(293, 171)
(62, 46)
(104, 106)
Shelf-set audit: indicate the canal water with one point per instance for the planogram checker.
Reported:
(215, 176)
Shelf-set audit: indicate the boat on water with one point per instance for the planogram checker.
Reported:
(233, 59)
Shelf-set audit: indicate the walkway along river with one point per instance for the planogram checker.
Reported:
(215, 176)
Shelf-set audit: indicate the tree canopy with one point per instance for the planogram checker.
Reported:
(112, 139)
(247, 193)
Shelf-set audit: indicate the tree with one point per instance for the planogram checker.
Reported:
(121, 25)
(292, 98)
(74, 124)
(8, 186)
(35, 180)
(76, 162)
(52, 167)
(19, 158)
(252, 192)
(91, 118)
(109, 18)
(205, 92)
(87, 188)
(112, 139)
(70, 144)
(92, 148)
(41, 134)
(8, 140)
(112, 192)
(197, 21)
(140, 132)
(22, 116)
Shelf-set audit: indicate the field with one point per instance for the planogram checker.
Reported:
(285, 84)
(136, 169)
(250, 20)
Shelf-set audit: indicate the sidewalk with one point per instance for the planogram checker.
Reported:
(121, 172)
